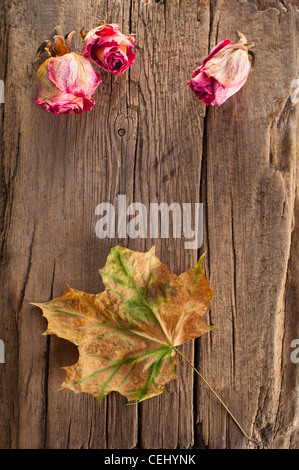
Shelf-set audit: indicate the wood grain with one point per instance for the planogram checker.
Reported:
(150, 138)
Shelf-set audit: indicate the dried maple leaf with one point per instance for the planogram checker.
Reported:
(126, 335)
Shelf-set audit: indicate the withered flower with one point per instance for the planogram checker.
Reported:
(223, 72)
(110, 49)
(66, 80)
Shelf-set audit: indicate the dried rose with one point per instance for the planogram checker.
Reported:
(223, 72)
(66, 80)
(106, 46)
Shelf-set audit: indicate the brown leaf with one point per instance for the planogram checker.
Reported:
(126, 334)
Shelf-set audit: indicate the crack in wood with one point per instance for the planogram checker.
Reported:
(26, 275)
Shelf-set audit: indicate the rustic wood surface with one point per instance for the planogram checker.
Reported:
(239, 160)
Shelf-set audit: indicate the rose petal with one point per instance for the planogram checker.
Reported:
(66, 104)
(55, 100)
(74, 74)
(230, 66)
(216, 49)
(106, 40)
(203, 87)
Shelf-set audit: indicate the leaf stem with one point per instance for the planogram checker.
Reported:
(217, 396)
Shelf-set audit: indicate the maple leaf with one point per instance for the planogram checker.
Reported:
(126, 335)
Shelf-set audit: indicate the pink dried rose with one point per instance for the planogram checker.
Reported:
(223, 72)
(106, 46)
(66, 80)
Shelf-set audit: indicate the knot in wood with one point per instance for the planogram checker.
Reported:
(121, 132)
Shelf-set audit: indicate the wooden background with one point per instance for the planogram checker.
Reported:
(239, 160)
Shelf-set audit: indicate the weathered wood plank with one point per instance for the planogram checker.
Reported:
(250, 188)
(149, 138)
(173, 175)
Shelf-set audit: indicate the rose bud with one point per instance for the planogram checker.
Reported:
(66, 80)
(223, 72)
(106, 46)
